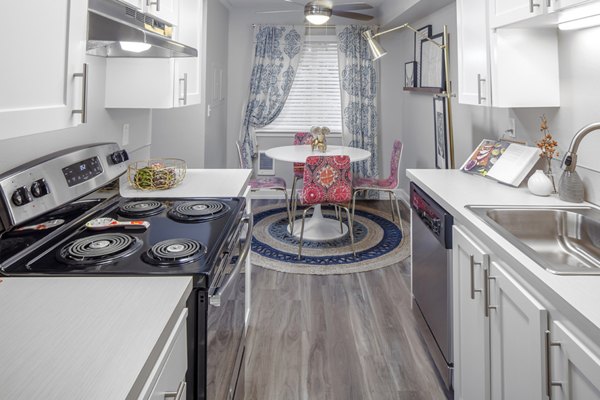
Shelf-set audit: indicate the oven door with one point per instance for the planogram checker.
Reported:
(226, 320)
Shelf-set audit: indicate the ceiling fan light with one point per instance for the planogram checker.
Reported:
(316, 14)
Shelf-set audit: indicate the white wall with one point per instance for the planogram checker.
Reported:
(409, 116)
(103, 126)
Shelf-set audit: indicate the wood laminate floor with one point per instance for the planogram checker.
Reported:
(336, 337)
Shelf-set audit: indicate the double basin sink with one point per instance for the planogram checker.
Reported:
(563, 240)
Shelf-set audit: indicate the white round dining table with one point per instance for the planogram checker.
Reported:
(317, 228)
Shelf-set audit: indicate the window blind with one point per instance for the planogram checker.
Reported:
(314, 98)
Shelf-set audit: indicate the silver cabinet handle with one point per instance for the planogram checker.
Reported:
(480, 98)
(549, 382)
(153, 3)
(486, 287)
(84, 93)
(532, 6)
(472, 264)
(549, 3)
(184, 80)
(178, 395)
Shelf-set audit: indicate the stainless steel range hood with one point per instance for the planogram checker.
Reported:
(111, 23)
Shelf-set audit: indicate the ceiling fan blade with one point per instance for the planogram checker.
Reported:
(294, 2)
(352, 15)
(277, 12)
(352, 7)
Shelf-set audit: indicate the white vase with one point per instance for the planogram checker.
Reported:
(539, 184)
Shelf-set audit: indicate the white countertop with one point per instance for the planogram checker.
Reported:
(83, 338)
(578, 297)
(198, 183)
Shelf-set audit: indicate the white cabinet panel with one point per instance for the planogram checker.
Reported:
(166, 10)
(558, 5)
(518, 325)
(471, 328)
(473, 53)
(504, 12)
(39, 90)
(576, 368)
(137, 4)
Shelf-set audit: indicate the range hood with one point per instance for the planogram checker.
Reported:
(113, 25)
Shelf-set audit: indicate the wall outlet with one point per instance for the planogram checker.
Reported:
(125, 137)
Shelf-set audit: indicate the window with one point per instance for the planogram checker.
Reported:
(314, 98)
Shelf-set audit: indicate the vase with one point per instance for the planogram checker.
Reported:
(539, 184)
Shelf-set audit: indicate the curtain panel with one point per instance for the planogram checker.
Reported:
(358, 83)
(276, 58)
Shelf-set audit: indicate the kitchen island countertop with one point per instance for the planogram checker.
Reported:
(84, 338)
(198, 183)
(577, 297)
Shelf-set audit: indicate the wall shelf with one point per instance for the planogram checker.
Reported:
(422, 89)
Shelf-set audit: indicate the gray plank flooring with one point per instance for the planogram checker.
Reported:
(336, 337)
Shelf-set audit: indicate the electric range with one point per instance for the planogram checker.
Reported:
(206, 238)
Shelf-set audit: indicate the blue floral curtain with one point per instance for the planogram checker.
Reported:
(358, 81)
(276, 59)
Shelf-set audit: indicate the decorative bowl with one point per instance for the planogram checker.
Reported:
(156, 174)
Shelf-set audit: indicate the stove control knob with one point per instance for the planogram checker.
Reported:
(40, 188)
(119, 156)
(21, 196)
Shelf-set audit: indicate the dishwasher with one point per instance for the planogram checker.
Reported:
(432, 278)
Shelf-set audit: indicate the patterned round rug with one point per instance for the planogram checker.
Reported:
(377, 240)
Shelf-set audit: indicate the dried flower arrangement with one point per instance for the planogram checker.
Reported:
(548, 147)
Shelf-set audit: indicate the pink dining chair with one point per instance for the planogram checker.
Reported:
(388, 184)
(300, 138)
(265, 182)
(327, 180)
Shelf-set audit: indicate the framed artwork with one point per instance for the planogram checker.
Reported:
(440, 128)
(432, 63)
(426, 30)
(410, 74)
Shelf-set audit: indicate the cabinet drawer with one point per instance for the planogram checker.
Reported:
(168, 375)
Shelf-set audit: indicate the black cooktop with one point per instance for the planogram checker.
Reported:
(169, 246)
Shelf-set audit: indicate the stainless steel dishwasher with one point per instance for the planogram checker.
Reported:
(432, 278)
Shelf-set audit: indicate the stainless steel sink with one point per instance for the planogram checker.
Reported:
(564, 240)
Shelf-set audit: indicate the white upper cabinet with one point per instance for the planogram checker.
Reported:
(40, 84)
(504, 67)
(160, 82)
(473, 53)
(558, 5)
(138, 4)
(504, 12)
(166, 10)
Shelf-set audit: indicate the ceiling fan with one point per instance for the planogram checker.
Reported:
(318, 12)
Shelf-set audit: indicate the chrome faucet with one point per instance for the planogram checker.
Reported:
(570, 187)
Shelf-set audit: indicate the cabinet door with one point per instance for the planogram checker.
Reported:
(187, 70)
(558, 5)
(518, 325)
(471, 327)
(473, 52)
(38, 89)
(576, 368)
(137, 4)
(165, 10)
(506, 12)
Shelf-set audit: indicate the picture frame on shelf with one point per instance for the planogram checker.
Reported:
(410, 74)
(426, 30)
(432, 70)
(440, 128)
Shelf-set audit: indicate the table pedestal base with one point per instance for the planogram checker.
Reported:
(318, 228)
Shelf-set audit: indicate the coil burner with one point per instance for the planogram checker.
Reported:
(98, 249)
(140, 208)
(198, 211)
(174, 252)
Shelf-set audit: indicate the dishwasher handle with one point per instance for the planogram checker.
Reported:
(434, 224)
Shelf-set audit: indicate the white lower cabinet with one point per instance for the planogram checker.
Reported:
(499, 329)
(167, 379)
(575, 367)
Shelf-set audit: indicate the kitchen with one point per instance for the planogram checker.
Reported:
(205, 132)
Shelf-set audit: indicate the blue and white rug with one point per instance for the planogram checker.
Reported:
(378, 241)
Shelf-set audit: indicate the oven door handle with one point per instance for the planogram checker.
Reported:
(215, 298)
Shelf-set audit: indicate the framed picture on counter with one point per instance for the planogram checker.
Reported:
(440, 128)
